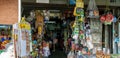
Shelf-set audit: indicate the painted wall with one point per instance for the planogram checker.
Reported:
(8, 11)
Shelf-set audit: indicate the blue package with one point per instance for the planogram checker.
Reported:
(2, 39)
(114, 19)
(72, 2)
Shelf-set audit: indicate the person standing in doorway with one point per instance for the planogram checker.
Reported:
(116, 40)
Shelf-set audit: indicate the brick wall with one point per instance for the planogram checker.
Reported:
(8, 11)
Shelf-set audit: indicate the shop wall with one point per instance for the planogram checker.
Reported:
(8, 11)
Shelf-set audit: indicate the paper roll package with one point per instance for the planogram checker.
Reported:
(39, 22)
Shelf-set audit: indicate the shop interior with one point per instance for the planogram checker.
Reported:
(60, 19)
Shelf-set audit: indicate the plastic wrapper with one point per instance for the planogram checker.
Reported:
(92, 9)
(71, 54)
(114, 19)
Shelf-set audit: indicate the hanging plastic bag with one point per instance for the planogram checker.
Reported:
(103, 18)
(71, 54)
(114, 19)
(78, 11)
(109, 17)
(92, 9)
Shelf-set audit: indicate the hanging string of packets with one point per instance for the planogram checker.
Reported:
(78, 25)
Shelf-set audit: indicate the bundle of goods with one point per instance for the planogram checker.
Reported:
(102, 54)
(99, 54)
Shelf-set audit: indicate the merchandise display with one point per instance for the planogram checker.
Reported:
(5, 38)
(62, 29)
(9, 51)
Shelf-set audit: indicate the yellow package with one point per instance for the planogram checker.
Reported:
(79, 3)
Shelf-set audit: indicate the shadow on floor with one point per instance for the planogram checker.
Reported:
(58, 54)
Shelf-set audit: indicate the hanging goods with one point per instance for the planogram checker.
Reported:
(107, 18)
(114, 19)
(102, 18)
(39, 22)
(92, 10)
(78, 11)
(46, 14)
(72, 2)
(31, 17)
(80, 3)
(24, 38)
